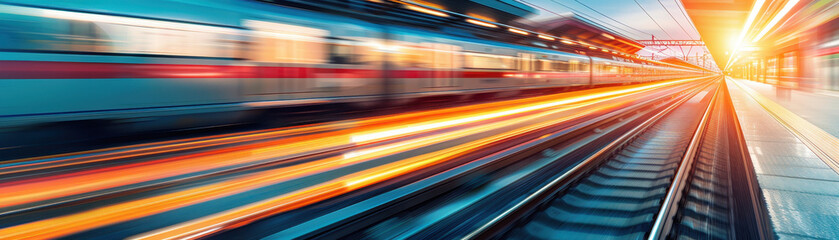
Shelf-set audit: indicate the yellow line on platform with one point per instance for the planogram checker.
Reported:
(823, 144)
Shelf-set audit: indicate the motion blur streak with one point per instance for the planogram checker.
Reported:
(30, 164)
(79, 182)
(61, 226)
(97, 179)
(243, 215)
(426, 127)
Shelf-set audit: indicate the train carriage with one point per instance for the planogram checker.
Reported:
(168, 64)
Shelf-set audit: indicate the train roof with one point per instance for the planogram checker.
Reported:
(437, 34)
(233, 13)
(228, 13)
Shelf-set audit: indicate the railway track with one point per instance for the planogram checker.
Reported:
(622, 198)
(645, 168)
(201, 146)
(652, 172)
(445, 206)
(678, 179)
(560, 116)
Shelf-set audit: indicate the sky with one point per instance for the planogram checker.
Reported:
(629, 19)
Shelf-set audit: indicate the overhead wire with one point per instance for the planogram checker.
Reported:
(592, 18)
(687, 55)
(656, 23)
(685, 14)
(674, 19)
(610, 18)
(592, 9)
(693, 25)
(579, 13)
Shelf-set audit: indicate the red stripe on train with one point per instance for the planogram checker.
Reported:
(71, 70)
(66, 70)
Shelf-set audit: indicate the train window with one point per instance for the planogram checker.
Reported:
(371, 49)
(583, 67)
(544, 65)
(340, 53)
(612, 69)
(277, 42)
(525, 62)
(86, 36)
(487, 61)
(102, 33)
(443, 55)
(577, 66)
(309, 51)
(169, 42)
(413, 57)
(563, 66)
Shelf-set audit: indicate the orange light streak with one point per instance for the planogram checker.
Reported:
(144, 207)
(407, 129)
(518, 31)
(426, 11)
(480, 23)
(243, 215)
(61, 226)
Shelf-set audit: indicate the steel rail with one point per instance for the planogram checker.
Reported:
(490, 228)
(327, 226)
(664, 219)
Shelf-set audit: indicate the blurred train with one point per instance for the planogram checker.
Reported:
(166, 64)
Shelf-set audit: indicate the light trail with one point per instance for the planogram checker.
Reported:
(34, 190)
(101, 155)
(367, 137)
(249, 213)
(61, 226)
(31, 191)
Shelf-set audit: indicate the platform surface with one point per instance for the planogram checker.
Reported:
(820, 108)
(801, 191)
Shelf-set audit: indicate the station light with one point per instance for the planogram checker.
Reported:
(480, 23)
(567, 42)
(787, 7)
(604, 50)
(749, 20)
(426, 11)
(608, 36)
(549, 38)
(518, 31)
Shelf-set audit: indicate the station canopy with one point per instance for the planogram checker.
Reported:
(574, 27)
(500, 11)
(567, 26)
(719, 23)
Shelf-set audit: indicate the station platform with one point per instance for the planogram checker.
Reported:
(798, 180)
(818, 108)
